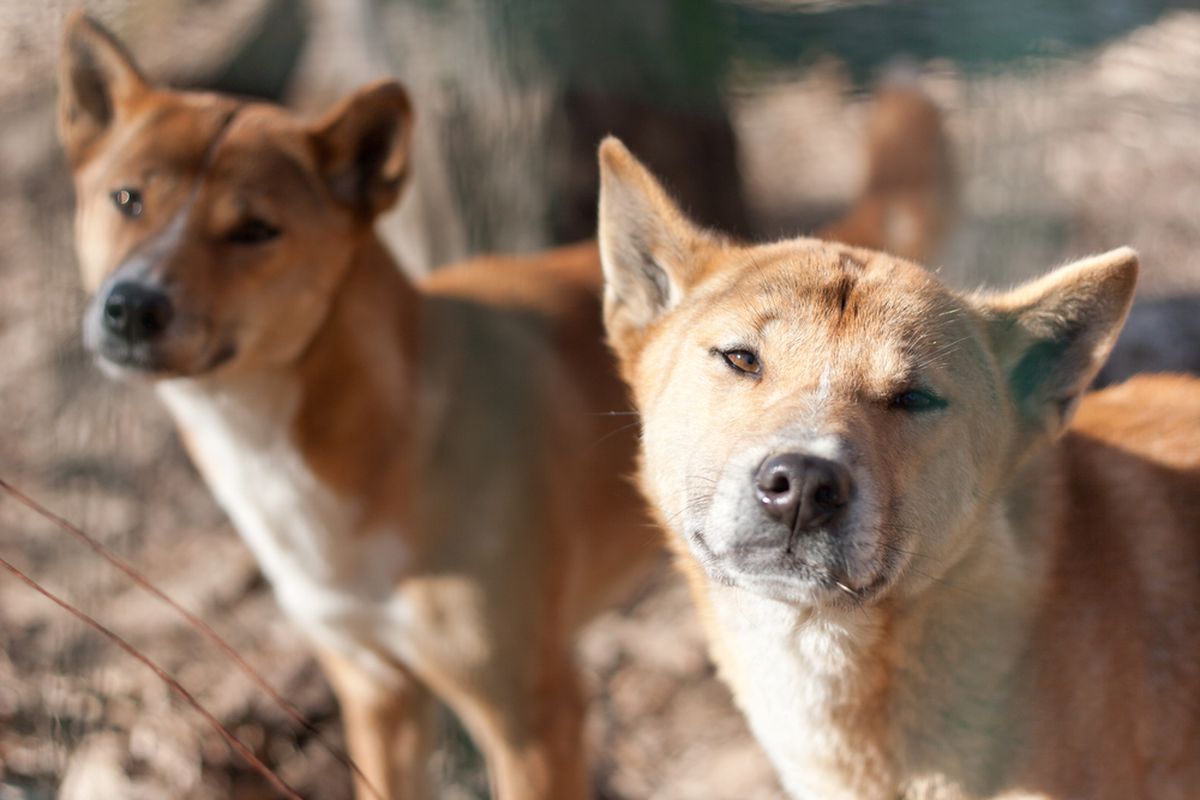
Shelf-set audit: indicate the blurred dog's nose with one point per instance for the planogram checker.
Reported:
(135, 312)
(803, 492)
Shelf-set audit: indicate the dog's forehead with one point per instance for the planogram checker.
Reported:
(260, 123)
(171, 135)
(847, 290)
(190, 131)
(821, 311)
(265, 150)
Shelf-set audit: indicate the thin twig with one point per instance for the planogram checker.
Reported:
(166, 677)
(200, 625)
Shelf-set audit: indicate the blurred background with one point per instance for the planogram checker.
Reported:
(1073, 126)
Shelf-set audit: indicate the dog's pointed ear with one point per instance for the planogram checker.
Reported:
(362, 147)
(1052, 335)
(98, 81)
(649, 250)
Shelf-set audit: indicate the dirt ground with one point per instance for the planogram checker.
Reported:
(1056, 159)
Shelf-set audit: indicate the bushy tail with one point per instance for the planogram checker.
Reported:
(910, 193)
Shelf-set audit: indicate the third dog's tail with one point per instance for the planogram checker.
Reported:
(911, 190)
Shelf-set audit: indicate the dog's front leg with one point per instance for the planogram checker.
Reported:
(533, 739)
(389, 728)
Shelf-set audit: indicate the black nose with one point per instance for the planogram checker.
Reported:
(136, 312)
(803, 492)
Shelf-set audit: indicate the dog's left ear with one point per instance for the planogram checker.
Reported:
(362, 147)
(1052, 335)
(98, 81)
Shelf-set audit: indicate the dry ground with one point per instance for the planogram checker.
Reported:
(1056, 159)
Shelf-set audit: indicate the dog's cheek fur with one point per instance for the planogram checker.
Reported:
(677, 406)
(943, 473)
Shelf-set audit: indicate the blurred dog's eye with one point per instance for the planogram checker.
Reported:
(915, 400)
(253, 231)
(128, 201)
(744, 361)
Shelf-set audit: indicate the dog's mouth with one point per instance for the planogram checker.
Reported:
(168, 357)
(813, 576)
(155, 362)
(189, 347)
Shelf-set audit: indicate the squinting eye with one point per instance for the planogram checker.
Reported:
(253, 231)
(128, 201)
(915, 400)
(745, 361)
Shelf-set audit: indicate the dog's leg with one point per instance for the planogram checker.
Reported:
(389, 728)
(533, 737)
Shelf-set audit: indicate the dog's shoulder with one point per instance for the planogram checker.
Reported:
(1124, 578)
(1154, 419)
(1129, 477)
(1130, 462)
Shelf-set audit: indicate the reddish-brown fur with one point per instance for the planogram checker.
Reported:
(456, 432)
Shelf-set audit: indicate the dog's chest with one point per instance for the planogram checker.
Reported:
(336, 581)
(800, 690)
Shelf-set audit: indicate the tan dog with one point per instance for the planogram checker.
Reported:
(428, 475)
(919, 577)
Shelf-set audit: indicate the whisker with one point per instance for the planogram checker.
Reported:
(611, 434)
(847, 589)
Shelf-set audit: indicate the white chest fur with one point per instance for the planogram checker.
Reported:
(334, 580)
(796, 678)
(857, 704)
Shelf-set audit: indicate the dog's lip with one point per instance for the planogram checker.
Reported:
(821, 584)
(760, 568)
(133, 358)
(221, 356)
(144, 361)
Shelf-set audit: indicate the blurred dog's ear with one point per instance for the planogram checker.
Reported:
(1052, 335)
(98, 81)
(649, 250)
(363, 147)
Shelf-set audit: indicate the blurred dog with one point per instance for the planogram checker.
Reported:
(920, 577)
(427, 474)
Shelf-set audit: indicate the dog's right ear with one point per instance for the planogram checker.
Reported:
(363, 147)
(97, 81)
(649, 250)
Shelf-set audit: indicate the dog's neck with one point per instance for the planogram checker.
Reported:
(352, 374)
(335, 415)
(357, 378)
(858, 703)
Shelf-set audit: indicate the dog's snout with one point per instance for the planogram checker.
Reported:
(136, 312)
(804, 492)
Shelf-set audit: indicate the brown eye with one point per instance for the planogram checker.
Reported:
(128, 201)
(253, 231)
(744, 361)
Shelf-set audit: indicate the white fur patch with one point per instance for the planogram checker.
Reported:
(793, 670)
(335, 582)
